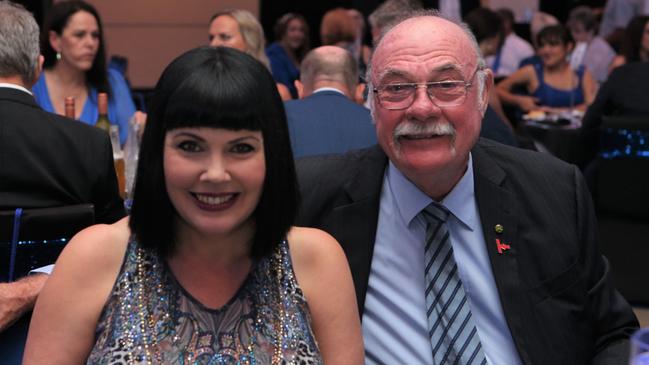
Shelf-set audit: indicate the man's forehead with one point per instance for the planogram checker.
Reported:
(422, 38)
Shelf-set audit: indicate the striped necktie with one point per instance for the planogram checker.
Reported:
(452, 331)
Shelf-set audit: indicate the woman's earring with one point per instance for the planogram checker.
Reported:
(58, 55)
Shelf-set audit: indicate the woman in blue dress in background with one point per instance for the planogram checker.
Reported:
(208, 270)
(551, 86)
(286, 53)
(72, 44)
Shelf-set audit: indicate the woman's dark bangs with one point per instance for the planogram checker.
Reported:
(228, 103)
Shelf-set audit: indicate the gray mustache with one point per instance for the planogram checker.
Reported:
(436, 128)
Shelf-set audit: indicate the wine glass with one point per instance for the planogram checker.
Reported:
(640, 347)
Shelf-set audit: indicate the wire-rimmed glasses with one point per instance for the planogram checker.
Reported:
(445, 93)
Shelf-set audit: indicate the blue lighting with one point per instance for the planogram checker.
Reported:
(616, 143)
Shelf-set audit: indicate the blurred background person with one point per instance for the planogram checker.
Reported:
(539, 21)
(552, 86)
(512, 50)
(72, 43)
(486, 26)
(206, 268)
(338, 28)
(241, 30)
(287, 52)
(616, 16)
(361, 51)
(590, 50)
(635, 47)
(387, 13)
(326, 119)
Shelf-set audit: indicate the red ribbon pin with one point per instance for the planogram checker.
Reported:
(501, 246)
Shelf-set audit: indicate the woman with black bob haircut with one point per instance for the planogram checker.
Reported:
(190, 94)
(209, 268)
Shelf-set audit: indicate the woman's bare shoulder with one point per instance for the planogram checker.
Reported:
(311, 246)
(97, 247)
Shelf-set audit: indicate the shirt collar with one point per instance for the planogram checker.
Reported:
(411, 201)
(14, 86)
(328, 89)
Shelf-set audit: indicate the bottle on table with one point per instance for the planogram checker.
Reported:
(102, 107)
(69, 107)
(113, 131)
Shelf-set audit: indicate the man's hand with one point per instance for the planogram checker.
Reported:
(19, 297)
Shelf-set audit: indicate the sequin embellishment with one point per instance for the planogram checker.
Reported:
(150, 319)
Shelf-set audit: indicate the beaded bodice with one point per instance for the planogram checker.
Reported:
(150, 319)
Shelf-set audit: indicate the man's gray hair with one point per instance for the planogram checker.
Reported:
(19, 45)
(340, 67)
(480, 61)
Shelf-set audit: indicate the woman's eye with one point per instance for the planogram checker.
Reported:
(189, 146)
(242, 148)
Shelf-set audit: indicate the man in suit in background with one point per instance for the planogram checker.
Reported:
(45, 160)
(520, 279)
(326, 119)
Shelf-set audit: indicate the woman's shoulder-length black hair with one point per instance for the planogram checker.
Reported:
(218, 88)
(56, 20)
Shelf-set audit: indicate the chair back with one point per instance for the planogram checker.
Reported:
(31, 238)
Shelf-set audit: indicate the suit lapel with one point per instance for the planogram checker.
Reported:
(354, 223)
(497, 208)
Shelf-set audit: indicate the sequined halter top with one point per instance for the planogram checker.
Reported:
(150, 319)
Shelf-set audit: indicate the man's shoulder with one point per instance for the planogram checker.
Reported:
(338, 168)
(73, 128)
(490, 153)
(326, 99)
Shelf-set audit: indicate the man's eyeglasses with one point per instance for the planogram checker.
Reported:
(441, 93)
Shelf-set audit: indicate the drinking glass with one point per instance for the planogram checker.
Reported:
(640, 347)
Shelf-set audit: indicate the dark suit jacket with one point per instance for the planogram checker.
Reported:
(47, 160)
(328, 122)
(553, 283)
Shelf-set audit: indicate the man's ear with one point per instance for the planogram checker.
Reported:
(358, 93)
(487, 90)
(300, 89)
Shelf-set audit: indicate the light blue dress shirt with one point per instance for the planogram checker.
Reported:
(395, 328)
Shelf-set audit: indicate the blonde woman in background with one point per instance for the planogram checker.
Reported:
(239, 29)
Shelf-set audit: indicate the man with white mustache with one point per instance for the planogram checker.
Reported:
(521, 280)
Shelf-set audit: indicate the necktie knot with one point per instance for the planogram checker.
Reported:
(436, 212)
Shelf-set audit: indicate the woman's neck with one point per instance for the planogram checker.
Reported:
(224, 249)
(67, 76)
(557, 68)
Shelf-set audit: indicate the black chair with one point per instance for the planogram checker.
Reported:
(622, 203)
(31, 238)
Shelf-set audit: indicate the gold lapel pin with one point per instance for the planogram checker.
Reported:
(499, 228)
